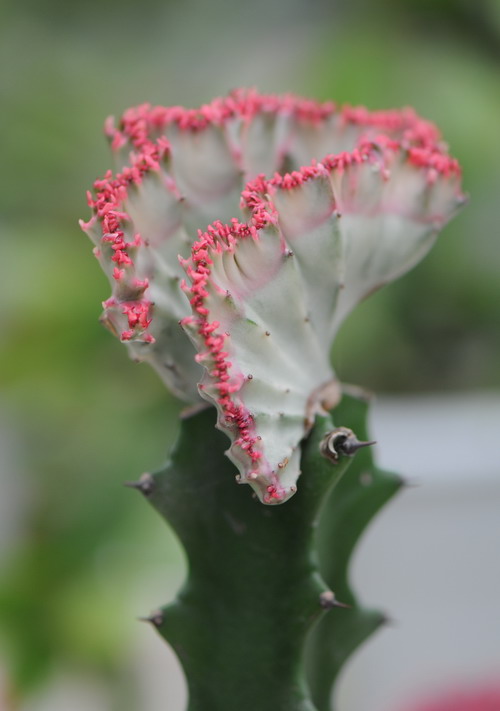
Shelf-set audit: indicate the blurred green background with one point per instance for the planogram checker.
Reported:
(81, 556)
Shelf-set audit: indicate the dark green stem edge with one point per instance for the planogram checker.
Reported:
(249, 626)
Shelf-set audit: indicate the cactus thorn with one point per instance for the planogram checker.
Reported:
(327, 600)
(351, 446)
(341, 441)
(144, 484)
(387, 621)
(156, 618)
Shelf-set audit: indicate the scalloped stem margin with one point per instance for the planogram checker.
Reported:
(254, 588)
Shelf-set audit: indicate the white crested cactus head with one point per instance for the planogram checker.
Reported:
(286, 256)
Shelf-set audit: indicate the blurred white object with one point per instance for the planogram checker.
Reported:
(440, 439)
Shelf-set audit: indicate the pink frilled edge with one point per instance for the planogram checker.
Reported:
(220, 237)
(385, 138)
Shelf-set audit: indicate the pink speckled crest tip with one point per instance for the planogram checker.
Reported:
(310, 207)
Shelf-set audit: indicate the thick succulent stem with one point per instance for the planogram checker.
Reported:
(254, 588)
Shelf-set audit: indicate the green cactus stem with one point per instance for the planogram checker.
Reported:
(255, 586)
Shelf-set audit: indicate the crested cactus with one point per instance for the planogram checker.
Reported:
(237, 237)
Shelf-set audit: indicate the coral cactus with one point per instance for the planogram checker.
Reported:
(269, 293)
(364, 201)
(254, 225)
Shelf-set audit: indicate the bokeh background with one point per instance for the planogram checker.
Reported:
(81, 557)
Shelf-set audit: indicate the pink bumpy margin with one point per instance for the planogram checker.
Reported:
(416, 138)
(138, 123)
(111, 193)
(424, 154)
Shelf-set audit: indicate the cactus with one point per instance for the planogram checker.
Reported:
(285, 214)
